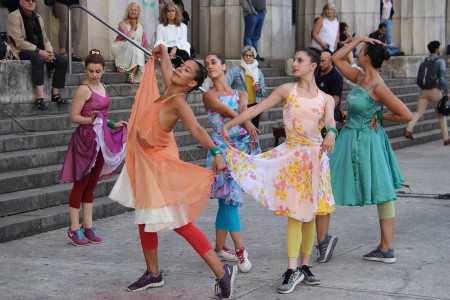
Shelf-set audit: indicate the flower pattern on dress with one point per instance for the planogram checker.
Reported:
(294, 177)
(224, 186)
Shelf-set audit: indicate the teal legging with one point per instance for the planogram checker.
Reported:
(228, 217)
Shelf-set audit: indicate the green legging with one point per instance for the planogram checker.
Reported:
(386, 210)
(299, 235)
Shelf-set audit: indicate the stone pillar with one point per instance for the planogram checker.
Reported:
(218, 26)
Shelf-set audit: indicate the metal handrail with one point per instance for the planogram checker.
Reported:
(146, 51)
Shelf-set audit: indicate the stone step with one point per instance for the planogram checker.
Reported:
(29, 179)
(41, 220)
(47, 196)
(419, 138)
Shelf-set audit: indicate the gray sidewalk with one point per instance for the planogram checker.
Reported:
(45, 266)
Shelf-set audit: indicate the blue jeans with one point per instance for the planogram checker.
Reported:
(388, 31)
(253, 28)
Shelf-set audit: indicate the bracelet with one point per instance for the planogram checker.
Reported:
(333, 130)
(111, 124)
(380, 115)
(214, 151)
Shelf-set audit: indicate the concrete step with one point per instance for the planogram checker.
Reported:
(118, 89)
(41, 220)
(34, 140)
(29, 179)
(39, 198)
(419, 138)
(33, 158)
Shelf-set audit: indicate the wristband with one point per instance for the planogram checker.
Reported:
(333, 130)
(380, 115)
(111, 124)
(214, 151)
(37, 50)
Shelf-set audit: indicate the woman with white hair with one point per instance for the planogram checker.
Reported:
(325, 33)
(129, 58)
(248, 77)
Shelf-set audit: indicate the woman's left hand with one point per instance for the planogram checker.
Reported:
(328, 142)
(120, 124)
(256, 87)
(219, 164)
(252, 130)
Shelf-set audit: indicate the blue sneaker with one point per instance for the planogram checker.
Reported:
(378, 255)
(326, 248)
(146, 281)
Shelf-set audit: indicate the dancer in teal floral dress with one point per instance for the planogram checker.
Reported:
(364, 170)
(222, 105)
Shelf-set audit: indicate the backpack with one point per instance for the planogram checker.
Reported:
(428, 75)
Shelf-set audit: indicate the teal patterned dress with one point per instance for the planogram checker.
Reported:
(364, 169)
(224, 186)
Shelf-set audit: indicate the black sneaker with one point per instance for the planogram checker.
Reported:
(259, 58)
(146, 281)
(310, 279)
(224, 285)
(291, 279)
(326, 248)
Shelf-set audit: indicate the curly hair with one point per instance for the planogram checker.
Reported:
(163, 14)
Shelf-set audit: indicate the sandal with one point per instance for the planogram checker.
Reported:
(120, 70)
(41, 104)
(64, 54)
(76, 57)
(130, 78)
(58, 99)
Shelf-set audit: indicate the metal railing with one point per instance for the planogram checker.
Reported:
(104, 23)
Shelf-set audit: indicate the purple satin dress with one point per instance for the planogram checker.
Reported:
(88, 140)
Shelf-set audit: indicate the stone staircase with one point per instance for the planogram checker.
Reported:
(32, 200)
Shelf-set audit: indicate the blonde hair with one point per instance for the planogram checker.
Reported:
(249, 48)
(127, 11)
(163, 14)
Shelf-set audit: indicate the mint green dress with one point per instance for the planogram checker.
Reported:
(364, 169)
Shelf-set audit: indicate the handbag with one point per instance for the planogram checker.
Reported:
(444, 106)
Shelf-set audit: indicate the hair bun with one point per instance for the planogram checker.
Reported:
(95, 51)
(386, 54)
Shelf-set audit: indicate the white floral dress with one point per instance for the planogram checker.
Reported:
(292, 179)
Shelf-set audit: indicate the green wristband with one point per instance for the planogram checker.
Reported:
(111, 124)
(333, 130)
(214, 151)
(380, 115)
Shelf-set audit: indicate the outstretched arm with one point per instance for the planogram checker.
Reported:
(160, 52)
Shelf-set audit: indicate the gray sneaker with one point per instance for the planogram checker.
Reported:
(224, 285)
(326, 248)
(310, 279)
(291, 279)
(378, 255)
(146, 281)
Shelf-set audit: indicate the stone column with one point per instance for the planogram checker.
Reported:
(218, 26)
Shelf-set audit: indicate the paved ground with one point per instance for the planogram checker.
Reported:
(45, 266)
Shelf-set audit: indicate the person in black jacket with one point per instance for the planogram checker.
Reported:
(61, 12)
(11, 5)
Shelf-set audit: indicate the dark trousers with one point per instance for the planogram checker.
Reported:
(182, 56)
(37, 68)
(255, 120)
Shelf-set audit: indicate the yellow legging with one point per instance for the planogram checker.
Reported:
(299, 234)
(386, 210)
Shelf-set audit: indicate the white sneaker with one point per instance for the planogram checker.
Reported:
(244, 264)
(226, 255)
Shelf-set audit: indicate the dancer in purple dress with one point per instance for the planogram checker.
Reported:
(95, 151)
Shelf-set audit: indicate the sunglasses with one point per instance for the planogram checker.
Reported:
(30, 1)
(248, 55)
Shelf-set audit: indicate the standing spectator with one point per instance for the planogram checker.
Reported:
(61, 9)
(386, 13)
(325, 31)
(96, 150)
(127, 57)
(380, 35)
(254, 14)
(29, 42)
(432, 95)
(184, 13)
(172, 33)
(330, 81)
(364, 170)
(249, 78)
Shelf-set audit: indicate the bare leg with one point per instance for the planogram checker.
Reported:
(74, 218)
(221, 237)
(151, 260)
(304, 259)
(237, 239)
(322, 226)
(214, 263)
(55, 91)
(134, 70)
(87, 214)
(40, 91)
(62, 51)
(387, 233)
(292, 263)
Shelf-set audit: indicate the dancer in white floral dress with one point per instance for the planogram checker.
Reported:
(294, 178)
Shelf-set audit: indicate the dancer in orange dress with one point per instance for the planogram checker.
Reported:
(166, 192)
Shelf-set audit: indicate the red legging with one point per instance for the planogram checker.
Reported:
(83, 189)
(192, 234)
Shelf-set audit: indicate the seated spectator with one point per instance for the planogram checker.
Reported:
(345, 38)
(380, 35)
(186, 19)
(248, 77)
(29, 42)
(62, 14)
(173, 34)
(129, 58)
